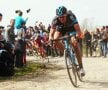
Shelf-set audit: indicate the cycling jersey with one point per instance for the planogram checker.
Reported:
(68, 27)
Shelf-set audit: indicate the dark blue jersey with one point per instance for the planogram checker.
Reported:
(68, 27)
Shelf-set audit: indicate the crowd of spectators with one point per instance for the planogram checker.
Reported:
(96, 41)
(24, 38)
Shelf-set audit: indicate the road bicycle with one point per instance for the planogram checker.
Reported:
(71, 61)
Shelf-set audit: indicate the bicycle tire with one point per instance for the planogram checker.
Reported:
(79, 75)
(71, 69)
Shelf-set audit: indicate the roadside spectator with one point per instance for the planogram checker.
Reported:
(1, 33)
(99, 38)
(20, 44)
(1, 16)
(19, 49)
(2, 39)
(94, 42)
(49, 27)
(87, 39)
(105, 41)
(19, 21)
(102, 41)
(9, 34)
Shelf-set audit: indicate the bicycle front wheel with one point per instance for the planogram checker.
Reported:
(71, 69)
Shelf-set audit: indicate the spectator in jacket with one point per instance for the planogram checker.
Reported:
(9, 34)
(87, 39)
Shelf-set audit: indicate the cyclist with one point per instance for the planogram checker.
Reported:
(65, 22)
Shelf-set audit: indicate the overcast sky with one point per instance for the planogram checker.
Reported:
(44, 10)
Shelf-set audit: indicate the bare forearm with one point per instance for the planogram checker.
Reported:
(77, 28)
(51, 33)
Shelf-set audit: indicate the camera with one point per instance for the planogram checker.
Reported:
(28, 10)
(16, 11)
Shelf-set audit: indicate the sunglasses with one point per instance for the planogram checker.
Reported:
(62, 16)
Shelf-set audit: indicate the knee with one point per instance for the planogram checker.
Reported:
(57, 43)
(75, 43)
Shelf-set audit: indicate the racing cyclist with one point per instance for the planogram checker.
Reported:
(65, 22)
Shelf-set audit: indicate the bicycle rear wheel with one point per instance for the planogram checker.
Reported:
(71, 69)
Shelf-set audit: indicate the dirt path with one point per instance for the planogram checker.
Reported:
(56, 77)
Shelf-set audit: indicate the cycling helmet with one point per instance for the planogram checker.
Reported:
(61, 10)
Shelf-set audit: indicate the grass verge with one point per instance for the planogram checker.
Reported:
(30, 69)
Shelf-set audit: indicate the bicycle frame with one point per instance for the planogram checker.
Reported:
(69, 48)
(69, 53)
